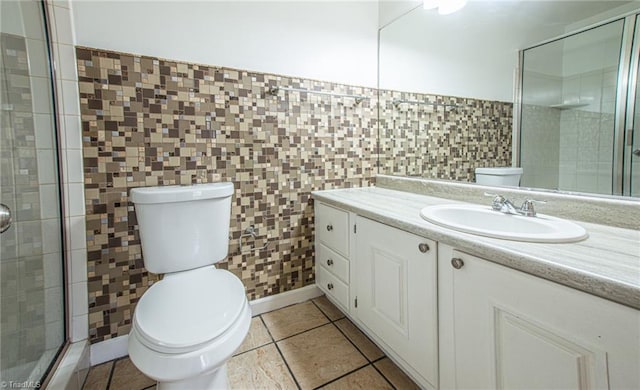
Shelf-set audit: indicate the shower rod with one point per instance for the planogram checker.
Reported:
(274, 91)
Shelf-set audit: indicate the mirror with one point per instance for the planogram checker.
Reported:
(449, 91)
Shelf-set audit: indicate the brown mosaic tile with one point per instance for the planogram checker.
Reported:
(442, 137)
(148, 121)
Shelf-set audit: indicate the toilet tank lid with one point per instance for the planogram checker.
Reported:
(170, 194)
(499, 171)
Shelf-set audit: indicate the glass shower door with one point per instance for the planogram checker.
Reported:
(32, 328)
(568, 119)
(631, 180)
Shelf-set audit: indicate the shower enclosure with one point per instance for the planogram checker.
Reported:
(32, 313)
(579, 111)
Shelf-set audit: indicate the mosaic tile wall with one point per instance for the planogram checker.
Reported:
(442, 137)
(148, 121)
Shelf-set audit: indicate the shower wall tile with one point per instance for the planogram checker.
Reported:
(442, 137)
(149, 121)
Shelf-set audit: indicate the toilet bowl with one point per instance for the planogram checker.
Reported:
(504, 176)
(186, 326)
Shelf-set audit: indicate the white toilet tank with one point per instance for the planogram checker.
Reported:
(505, 176)
(183, 227)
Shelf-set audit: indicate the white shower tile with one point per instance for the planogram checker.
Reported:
(51, 236)
(54, 332)
(52, 264)
(46, 166)
(49, 203)
(73, 168)
(64, 25)
(79, 328)
(53, 302)
(44, 131)
(78, 265)
(70, 98)
(38, 58)
(75, 192)
(61, 3)
(41, 95)
(79, 299)
(31, 10)
(67, 62)
(72, 132)
(78, 234)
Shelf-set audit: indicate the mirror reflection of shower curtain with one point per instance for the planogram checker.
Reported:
(568, 118)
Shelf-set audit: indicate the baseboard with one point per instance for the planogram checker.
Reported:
(278, 301)
(109, 349)
(114, 348)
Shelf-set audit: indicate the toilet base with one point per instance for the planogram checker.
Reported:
(216, 380)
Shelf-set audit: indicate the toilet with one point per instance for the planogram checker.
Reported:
(505, 176)
(186, 326)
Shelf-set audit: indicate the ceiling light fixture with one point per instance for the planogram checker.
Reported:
(445, 7)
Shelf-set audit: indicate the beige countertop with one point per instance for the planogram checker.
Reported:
(606, 264)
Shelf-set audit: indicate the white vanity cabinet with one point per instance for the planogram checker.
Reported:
(384, 279)
(396, 290)
(504, 329)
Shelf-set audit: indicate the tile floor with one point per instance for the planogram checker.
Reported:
(305, 346)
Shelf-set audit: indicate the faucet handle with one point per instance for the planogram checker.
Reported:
(498, 201)
(527, 208)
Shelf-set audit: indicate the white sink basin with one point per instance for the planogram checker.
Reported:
(484, 221)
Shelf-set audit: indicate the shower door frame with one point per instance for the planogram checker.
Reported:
(628, 129)
(625, 99)
(48, 20)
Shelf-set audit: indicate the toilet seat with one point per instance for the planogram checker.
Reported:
(187, 310)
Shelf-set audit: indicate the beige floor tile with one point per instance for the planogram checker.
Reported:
(328, 308)
(395, 375)
(261, 368)
(257, 336)
(293, 319)
(126, 376)
(366, 346)
(98, 377)
(320, 355)
(365, 378)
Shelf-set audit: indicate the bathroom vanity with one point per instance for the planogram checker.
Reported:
(457, 310)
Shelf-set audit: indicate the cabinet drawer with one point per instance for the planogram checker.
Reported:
(332, 286)
(332, 228)
(336, 264)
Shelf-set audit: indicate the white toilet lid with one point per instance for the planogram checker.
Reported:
(188, 309)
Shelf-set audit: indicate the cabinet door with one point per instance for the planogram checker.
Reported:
(396, 293)
(516, 331)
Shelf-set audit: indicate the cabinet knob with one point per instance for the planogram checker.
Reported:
(330, 286)
(424, 248)
(329, 262)
(457, 263)
(329, 228)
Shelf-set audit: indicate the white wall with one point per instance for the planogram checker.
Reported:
(391, 10)
(473, 52)
(324, 40)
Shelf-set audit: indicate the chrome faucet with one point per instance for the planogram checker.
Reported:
(504, 205)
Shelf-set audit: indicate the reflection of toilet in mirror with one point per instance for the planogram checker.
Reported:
(502, 176)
